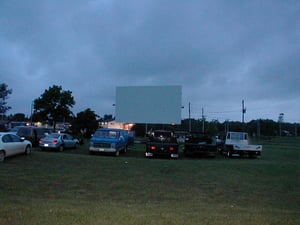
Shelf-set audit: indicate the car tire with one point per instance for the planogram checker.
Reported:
(2, 156)
(27, 150)
(61, 148)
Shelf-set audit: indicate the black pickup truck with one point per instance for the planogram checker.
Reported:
(200, 144)
(162, 143)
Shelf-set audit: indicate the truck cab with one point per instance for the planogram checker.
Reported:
(237, 144)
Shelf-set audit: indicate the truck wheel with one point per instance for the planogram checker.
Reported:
(229, 153)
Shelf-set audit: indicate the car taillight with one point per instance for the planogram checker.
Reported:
(153, 147)
(172, 148)
(41, 140)
(54, 142)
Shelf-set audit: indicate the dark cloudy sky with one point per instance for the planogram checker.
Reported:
(220, 51)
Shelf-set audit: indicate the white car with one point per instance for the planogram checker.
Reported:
(11, 144)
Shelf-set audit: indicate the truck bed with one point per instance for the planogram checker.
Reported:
(200, 149)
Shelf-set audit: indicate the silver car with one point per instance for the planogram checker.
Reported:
(11, 144)
(58, 141)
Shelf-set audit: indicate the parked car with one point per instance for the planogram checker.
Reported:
(58, 141)
(15, 129)
(11, 144)
(33, 134)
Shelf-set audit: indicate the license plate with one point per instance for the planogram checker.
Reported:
(46, 145)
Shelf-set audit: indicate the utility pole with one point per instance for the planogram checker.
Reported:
(243, 114)
(202, 120)
(226, 126)
(189, 117)
(258, 128)
(243, 111)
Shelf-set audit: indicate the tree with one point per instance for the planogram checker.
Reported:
(85, 123)
(18, 117)
(54, 105)
(4, 92)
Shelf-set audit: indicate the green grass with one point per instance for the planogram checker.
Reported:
(74, 187)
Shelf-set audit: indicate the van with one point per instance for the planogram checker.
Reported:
(109, 140)
(33, 134)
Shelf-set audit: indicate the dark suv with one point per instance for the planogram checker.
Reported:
(33, 134)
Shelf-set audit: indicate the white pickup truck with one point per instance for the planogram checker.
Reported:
(237, 144)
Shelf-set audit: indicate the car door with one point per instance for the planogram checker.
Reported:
(67, 141)
(6, 140)
(17, 143)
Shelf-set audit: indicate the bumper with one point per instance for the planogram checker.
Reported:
(108, 150)
(168, 154)
(49, 146)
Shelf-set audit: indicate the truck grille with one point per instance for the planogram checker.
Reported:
(102, 145)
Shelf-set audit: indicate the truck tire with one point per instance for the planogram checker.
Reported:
(229, 154)
(229, 150)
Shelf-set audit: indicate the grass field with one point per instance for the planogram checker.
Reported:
(73, 187)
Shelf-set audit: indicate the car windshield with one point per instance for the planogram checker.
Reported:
(163, 134)
(53, 135)
(107, 134)
(15, 129)
(24, 131)
(237, 136)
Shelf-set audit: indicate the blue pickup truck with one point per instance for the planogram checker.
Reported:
(109, 140)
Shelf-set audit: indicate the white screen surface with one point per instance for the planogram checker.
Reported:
(149, 104)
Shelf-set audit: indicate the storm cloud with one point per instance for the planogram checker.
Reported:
(221, 52)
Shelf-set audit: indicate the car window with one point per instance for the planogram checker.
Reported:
(15, 138)
(54, 135)
(107, 133)
(69, 137)
(6, 138)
